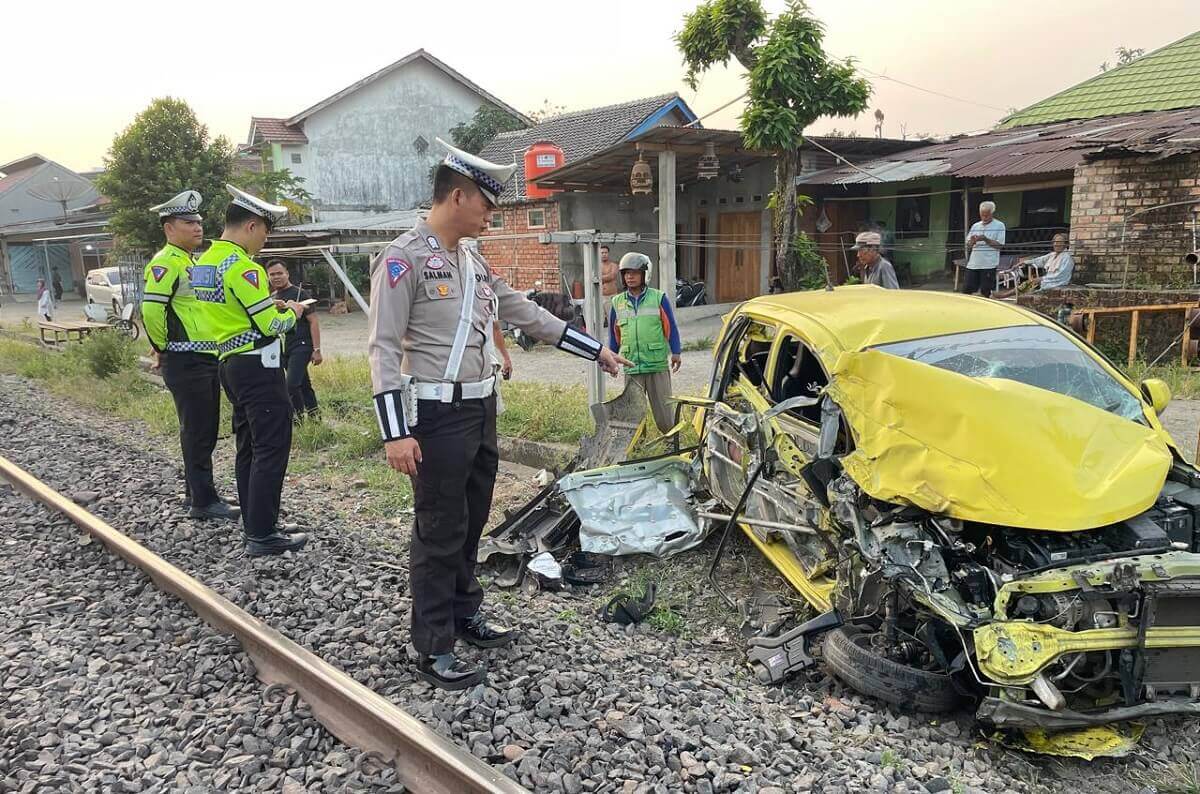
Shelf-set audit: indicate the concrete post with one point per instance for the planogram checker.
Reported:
(666, 224)
(592, 295)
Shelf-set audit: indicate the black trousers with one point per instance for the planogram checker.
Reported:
(453, 496)
(196, 389)
(981, 281)
(262, 427)
(300, 390)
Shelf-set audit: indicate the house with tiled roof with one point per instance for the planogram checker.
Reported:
(579, 134)
(370, 147)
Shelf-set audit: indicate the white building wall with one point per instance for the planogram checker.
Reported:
(301, 169)
(361, 149)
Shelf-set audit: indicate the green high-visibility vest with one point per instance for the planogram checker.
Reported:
(235, 301)
(642, 339)
(169, 307)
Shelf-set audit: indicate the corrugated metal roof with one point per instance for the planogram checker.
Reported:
(1030, 150)
(1165, 79)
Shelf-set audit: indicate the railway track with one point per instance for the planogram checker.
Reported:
(424, 761)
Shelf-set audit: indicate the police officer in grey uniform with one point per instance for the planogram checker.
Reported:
(431, 317)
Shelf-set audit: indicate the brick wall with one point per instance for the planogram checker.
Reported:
(523, 261)
(1106, 191)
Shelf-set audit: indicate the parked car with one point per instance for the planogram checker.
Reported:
(992, 508)
(103, 286)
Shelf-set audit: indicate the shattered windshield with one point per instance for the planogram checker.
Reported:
(1031, 354)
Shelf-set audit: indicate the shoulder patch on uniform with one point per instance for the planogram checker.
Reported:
(252, 277)
(396, 269)
(435, 263)
(433, 243)
(158, 271)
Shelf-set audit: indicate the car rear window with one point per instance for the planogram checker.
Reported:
(1031, 354)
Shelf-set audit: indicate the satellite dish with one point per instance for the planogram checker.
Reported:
(59, 190)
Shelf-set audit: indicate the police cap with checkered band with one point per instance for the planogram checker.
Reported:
(271, 213)
(489, 177)
(184, 206)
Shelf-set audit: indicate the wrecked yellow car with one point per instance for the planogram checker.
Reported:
(990, 507)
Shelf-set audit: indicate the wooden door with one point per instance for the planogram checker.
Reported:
(738, 258)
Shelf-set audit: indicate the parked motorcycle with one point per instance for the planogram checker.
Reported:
(560, 304)
(689, 293)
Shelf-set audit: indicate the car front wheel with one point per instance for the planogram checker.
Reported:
(852, 656)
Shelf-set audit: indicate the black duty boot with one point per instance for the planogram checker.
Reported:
(447, 671)
(275, 543)
(218, 510)
(482, 634)
(229, 500)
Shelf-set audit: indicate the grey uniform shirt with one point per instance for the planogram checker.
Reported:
(882, 274)
(417, 291)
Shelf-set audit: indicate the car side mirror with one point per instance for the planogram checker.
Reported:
(1157, 393)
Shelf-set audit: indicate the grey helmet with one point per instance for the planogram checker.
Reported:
(635, 261)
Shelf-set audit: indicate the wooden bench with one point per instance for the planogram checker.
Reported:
(56, 333)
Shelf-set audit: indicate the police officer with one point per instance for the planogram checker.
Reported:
(241, 317)
(430, 318)
(185, 356)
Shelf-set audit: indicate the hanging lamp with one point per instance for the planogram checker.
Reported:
(709, 165)
(640, 178)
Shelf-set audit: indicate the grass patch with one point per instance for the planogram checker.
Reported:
(1184, 382)
(342, 447)
(693, 345)
(665, 618)
(1172, 778)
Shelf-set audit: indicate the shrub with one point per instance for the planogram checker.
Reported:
(105, 354)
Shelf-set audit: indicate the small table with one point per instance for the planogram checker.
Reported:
(67, 331)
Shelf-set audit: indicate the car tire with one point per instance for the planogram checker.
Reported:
(848, 656)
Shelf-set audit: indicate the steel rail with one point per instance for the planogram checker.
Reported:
(424, 760)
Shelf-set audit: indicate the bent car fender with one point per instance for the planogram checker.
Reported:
(990, 449)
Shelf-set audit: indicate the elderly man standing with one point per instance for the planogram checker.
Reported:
(984, 241)
(871, 264)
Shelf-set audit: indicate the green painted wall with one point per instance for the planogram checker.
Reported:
(924, 255)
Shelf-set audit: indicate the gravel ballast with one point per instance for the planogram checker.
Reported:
(575, 705)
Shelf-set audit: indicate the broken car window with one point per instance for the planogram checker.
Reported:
(1031, 354)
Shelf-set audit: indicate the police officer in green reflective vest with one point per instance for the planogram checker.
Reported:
(642, 327)
(186, 357)
(248, 326)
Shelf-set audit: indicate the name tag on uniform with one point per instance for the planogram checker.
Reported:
(440, 290)
(204, 276)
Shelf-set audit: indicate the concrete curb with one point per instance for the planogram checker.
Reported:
(536, 454)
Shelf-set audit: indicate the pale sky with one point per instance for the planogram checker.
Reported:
(75, 73)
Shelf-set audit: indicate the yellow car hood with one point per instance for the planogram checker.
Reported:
(990, 449)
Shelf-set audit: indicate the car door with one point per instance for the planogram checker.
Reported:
(767, 385)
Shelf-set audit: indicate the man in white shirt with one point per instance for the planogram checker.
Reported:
(984, 241)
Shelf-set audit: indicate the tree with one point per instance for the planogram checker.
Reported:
(792, 83)
(279, 187)
(488, 122)
(164, 151)
(1125, 56)
(547, 110)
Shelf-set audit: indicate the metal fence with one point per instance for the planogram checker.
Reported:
(132, 266)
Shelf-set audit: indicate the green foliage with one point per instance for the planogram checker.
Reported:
(164, 151)
(279, 187)
(792, 83)
(809, 271)
(104, 354)
(488, 122)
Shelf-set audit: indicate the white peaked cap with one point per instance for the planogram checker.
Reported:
(272, 213)
(185, 205)
(490, 178)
